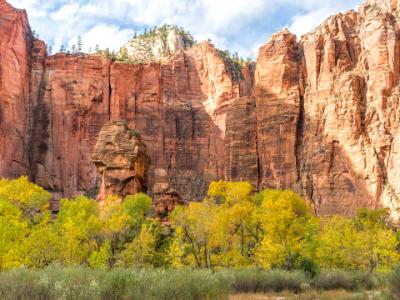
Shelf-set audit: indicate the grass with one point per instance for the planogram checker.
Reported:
(339, 279)
(395, 282)
(256, 281)
(83, 283)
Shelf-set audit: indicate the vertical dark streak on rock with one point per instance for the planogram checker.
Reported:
(109, 91)
(299, 138)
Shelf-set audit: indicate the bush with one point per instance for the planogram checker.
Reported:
(348, 280)
(256, 281)
(84, 283)
(395, 282)
(22, 284)
(153, 284)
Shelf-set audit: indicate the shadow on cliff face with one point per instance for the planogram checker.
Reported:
(179, 108)
(297, 150)
(329, 180)
(298, 131)
(168, 104)
(333, 172)
(241, 151)
(70, 102)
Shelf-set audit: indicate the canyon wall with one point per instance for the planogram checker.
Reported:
(349, 156)
(15, 53)
(320, 116)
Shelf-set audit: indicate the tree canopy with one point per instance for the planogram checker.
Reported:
(233, 227)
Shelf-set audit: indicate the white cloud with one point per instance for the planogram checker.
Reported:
(66, 12)
(304, 23)
(235, 24)
(106, 36)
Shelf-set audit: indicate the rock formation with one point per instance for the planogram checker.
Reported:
(156, 44)
(15, 54)
(320, 115)
(277, 93)
(350, 131)
(121, 159)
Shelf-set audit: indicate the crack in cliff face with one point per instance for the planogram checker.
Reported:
(110, 91)
(259, 166)
(299, 139)
(39, 135)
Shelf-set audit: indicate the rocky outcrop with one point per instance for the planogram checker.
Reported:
(121, 159)
(156, 44)
(320, 115)
(277, 92)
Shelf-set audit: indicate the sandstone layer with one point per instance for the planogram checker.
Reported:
(320, 115)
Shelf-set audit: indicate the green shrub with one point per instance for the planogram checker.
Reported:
(78, 283)
(87, 284)
(348, 280)
(256, 281)
(184, 284)
(395, 282)
(22, 284)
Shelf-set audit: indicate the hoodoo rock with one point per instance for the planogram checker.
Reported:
(319, 115)
(121, 159)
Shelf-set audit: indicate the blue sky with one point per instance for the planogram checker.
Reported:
(237, 25)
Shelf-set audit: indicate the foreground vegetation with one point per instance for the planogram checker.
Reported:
(85, 283)
(233, 241)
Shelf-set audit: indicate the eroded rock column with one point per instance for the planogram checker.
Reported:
(121, 159)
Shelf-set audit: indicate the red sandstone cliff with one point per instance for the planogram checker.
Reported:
(320, 115)
(15, 52)
(350, 136)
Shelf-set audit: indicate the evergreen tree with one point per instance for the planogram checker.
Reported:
(107, 52)
(35, 34)
(123, 54)
(79, 43)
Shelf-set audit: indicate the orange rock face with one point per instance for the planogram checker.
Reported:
(350, 137)
(320, 115)
(70, 107)
(180, 109)
(277, 92)
(15, 53)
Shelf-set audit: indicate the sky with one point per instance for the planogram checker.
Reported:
(238, 25)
